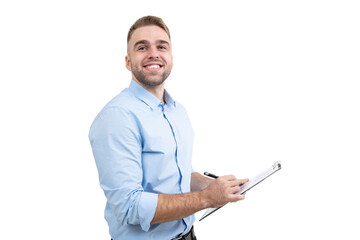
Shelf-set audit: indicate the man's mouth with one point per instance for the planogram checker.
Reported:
(153, 67)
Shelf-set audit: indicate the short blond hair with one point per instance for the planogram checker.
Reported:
(147, 21)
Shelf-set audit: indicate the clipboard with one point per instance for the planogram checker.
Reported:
(250, 184)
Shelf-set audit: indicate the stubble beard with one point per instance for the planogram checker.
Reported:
(152, 80)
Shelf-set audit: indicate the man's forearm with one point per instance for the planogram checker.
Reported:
(173, 207)
(216, 193)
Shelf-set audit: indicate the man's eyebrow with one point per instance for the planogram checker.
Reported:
(163, 42)
(141, 42)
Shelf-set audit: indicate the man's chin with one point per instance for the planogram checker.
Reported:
(151, 82)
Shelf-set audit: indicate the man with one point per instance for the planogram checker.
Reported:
(142, 144)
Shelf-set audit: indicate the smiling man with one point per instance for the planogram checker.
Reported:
(142, 143)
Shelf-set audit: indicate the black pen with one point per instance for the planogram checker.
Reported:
(210, 175)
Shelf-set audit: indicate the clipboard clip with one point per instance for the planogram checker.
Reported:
(277, 165)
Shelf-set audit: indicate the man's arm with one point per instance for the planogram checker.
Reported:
(217, 193)
(116, 146)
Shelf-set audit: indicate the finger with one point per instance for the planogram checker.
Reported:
(235, 182)
(235, 189)
(242, 181)
(236, 197)
(242, 196)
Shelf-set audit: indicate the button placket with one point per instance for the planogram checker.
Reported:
(177, 145)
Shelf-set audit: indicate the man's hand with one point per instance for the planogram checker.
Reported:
(223, 190)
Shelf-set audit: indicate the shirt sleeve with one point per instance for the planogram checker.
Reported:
(116, 143)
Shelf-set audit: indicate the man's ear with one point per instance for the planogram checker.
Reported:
(128, 63)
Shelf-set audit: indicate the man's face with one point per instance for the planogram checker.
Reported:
(149, 56)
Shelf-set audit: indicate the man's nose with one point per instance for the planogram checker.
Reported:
(153, 52)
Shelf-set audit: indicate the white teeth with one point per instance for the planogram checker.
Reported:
(153, 66)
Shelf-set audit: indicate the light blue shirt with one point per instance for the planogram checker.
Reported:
(142, 148)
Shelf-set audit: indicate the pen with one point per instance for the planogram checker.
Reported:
(210, 175)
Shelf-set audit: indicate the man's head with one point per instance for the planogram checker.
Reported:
(149, 51)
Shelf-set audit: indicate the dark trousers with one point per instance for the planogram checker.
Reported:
(189, 236)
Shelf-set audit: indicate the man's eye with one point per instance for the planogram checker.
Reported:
(142, 48)
(162, 47)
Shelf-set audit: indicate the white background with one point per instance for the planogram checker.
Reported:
(261, 80)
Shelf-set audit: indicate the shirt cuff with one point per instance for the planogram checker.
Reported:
(146, 209)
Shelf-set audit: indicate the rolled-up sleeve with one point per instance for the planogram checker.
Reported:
(116, 144)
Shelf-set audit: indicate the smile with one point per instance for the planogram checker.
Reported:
(153, 67)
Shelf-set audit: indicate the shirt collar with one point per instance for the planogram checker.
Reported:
(170, 102)
(144, 95)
